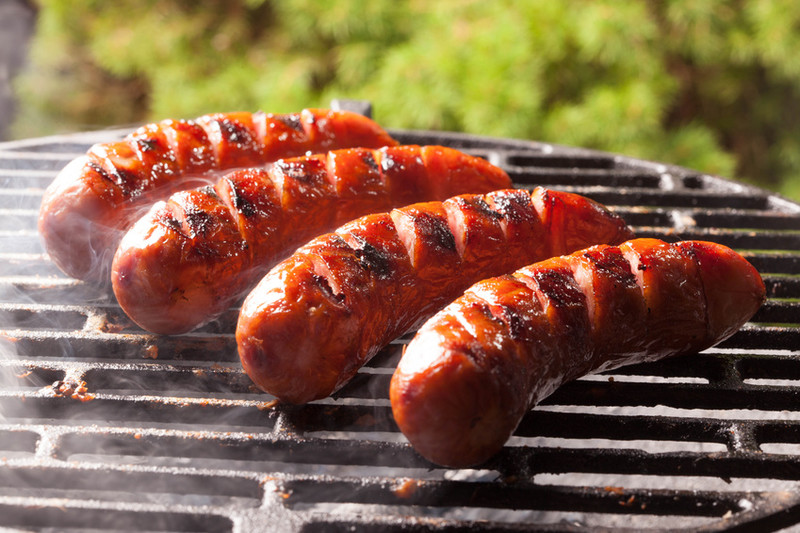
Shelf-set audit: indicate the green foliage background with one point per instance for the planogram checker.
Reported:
(711, 85)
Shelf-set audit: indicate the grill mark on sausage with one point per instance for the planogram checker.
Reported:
(486, 209)
(325, 286)
(489, 311)
(516, 209)
(291, 120)
(210, 191)
(147, 145)
(168, 219)
(559, 288)
(295, 170)
(242, 205)
(509, 204)
(102, 172)
(434, 231)
(689, 253)
(509, 315)
(478, 204)
(198, 221)
(614, 265)
(470, 348)
(564, 303)
(124, 180)
(369, 158)
(372, 258)
(234, 132)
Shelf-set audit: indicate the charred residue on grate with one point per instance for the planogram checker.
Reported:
(104, 425)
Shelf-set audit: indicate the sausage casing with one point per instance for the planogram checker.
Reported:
(474, 369)
(318, 316)
(96, 197)
(190, 258)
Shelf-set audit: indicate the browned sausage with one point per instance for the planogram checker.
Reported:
(317, 317)
(97, 196)
(190, 258)
(476, 367)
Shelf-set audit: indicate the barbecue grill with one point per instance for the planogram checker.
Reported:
(106, 427)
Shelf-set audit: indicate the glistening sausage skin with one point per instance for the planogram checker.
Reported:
(474, 369)
(318, 316)
(192, 257)
(96, 197)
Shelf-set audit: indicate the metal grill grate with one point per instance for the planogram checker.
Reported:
(170, 435)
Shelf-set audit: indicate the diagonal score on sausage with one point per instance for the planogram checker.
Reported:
(318, 316)
(97, 196)
(474, 369)
(192, 257)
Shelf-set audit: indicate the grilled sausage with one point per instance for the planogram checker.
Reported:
(190, 258)
(97, 196)
(318, 316)
(474, 369)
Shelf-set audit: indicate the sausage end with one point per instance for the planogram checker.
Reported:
(451, 410)
(733, 288)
